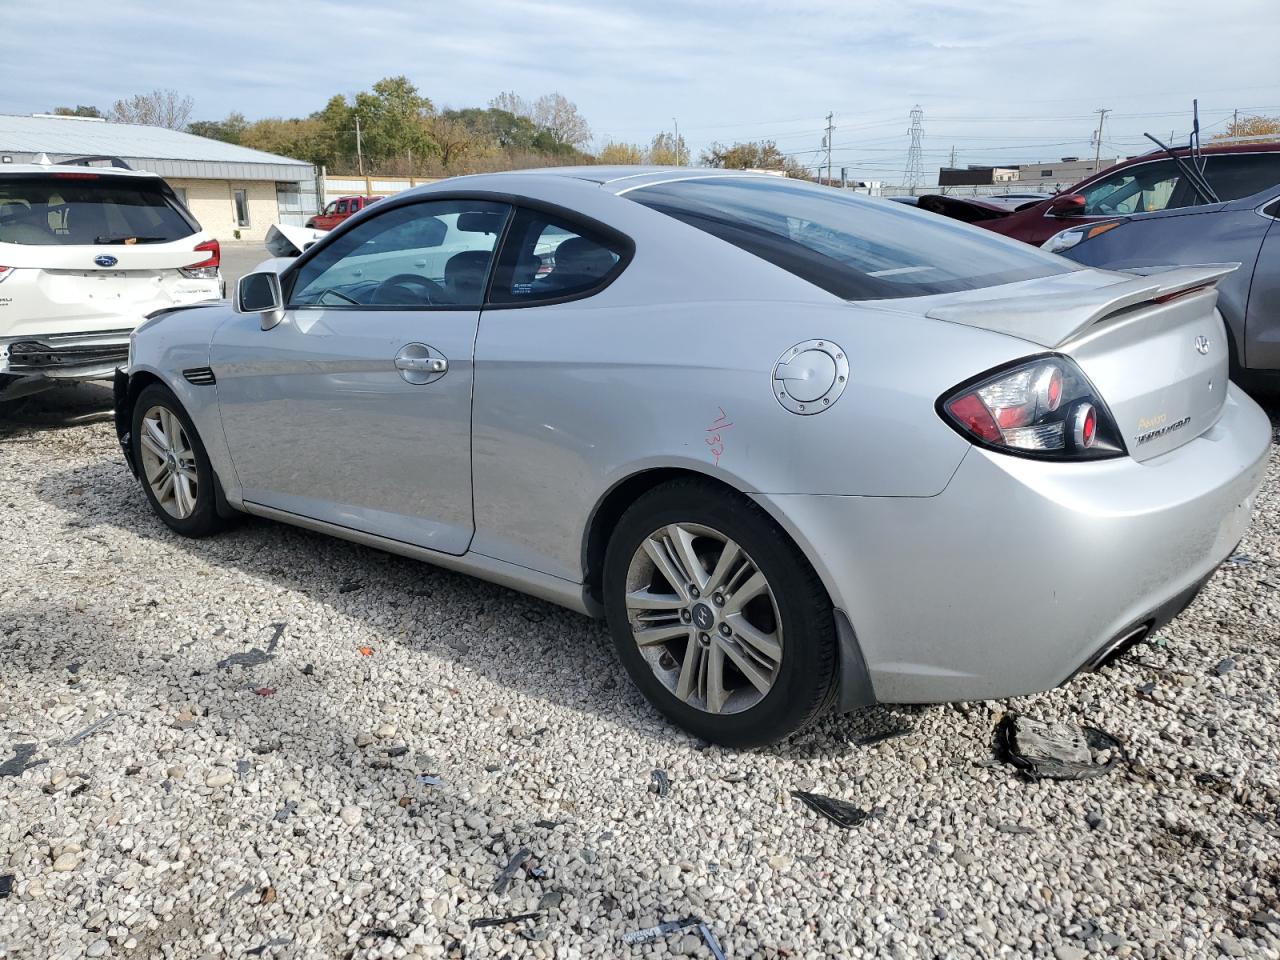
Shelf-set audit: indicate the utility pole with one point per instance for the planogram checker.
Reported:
(830, 129)
(1235, 120)
(1097, 150)
(359, 148)
(953, 156)
(676, 142)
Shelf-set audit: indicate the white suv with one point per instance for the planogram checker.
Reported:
(85, 254)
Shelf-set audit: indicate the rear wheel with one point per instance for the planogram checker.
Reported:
(175, 470)
(717, 616)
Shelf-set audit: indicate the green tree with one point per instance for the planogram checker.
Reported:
(230, 130)
(393, 118)
(499, 127)
(77, 111)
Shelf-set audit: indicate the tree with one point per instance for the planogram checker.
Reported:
(560, 117)
(667, 151)
(751, 155)
(230, 130)
(511, 102)
(623, 153)
(77, 111)
(500, 127)
(453, 138)
(159, 108)
(393, 118)
(1252, 127)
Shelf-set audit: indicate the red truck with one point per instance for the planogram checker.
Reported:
(1153, 181)
(338, 210)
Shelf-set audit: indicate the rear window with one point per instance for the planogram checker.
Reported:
(88, 209)
(851, 246)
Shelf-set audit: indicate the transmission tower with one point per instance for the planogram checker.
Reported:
(914, 173)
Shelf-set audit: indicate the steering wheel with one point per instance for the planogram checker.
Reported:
(399, 290)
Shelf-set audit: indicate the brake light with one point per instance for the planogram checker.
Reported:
(205, 269)
(1043, 408)
(4, 273)
(1165, 298)
(76, 176)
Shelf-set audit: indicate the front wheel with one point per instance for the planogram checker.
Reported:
(176, 474)
(718, 617)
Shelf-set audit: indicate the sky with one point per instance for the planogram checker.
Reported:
(1000, 82)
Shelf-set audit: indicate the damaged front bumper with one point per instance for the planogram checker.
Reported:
(66, 356)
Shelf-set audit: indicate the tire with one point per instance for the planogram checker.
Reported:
(758, 700)
(191, 516)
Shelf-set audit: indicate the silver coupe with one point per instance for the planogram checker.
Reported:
(804, 449)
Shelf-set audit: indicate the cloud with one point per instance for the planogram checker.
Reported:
(728, 69)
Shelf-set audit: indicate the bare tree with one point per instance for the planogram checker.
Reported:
(512, 103)
(560, 117)
(159, 108)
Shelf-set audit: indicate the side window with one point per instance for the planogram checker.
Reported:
(1233, 176)
(342, 207)
(428, 254)
(547, 257)
(332, 207)
(1138, 189)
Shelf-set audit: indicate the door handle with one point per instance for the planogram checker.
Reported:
(423, 364)
(418, 363)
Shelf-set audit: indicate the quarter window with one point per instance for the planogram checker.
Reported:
(430, 254)
(1237, 175)
(550, 258)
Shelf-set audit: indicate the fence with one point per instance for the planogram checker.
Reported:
(356, 186)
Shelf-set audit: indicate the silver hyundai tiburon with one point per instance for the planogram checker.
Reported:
(802, 448)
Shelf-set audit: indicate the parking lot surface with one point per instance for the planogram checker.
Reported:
(214, 749)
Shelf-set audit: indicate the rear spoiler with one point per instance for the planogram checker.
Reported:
(1052, 321)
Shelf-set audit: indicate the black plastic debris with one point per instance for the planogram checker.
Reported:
(503, 921)
(509, 871)
(1240, 559)
(1224, 666)
(399, 751)
(546, 824)
(350, 586)
(1056, 751)
(6, 885)
(132, 771)
(308, 670)
(649, 934)
(22, 754)
(550, 900)
(285, 812)
(871, 739)
(659, 783)
(842, 814)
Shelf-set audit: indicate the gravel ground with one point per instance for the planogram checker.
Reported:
(212, 748)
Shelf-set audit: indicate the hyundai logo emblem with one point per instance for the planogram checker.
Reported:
(1202, 345)
(105, 261)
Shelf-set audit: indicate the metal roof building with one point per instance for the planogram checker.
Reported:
(235, 192)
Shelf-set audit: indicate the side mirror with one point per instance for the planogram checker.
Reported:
(1067, 205)
(260, 293)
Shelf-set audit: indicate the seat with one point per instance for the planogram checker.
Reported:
(464, 275)
(580, 263)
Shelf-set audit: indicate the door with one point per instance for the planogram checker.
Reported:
(1262, 321)
(356, 408)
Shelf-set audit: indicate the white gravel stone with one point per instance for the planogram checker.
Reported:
(328, 845)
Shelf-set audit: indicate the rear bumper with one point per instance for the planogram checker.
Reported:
(66, 356)
(1023, 572)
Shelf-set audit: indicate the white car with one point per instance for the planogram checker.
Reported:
(86, 253)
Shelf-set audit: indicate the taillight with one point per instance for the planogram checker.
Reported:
(205, 269)
(1041, 408)
(4, 273)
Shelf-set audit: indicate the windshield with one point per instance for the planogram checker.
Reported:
(852, 246)
(88, 209)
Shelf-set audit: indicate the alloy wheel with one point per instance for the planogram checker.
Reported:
(704, 617)
(169, 462)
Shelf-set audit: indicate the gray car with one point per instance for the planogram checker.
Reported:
(802, 448)
(1241, 232)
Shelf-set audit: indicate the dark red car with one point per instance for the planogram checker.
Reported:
(1144, 184)
(338, 210)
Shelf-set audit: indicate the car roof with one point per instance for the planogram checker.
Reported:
(51, 168)
(614, 179)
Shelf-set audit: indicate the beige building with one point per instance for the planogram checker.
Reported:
(234, 192)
